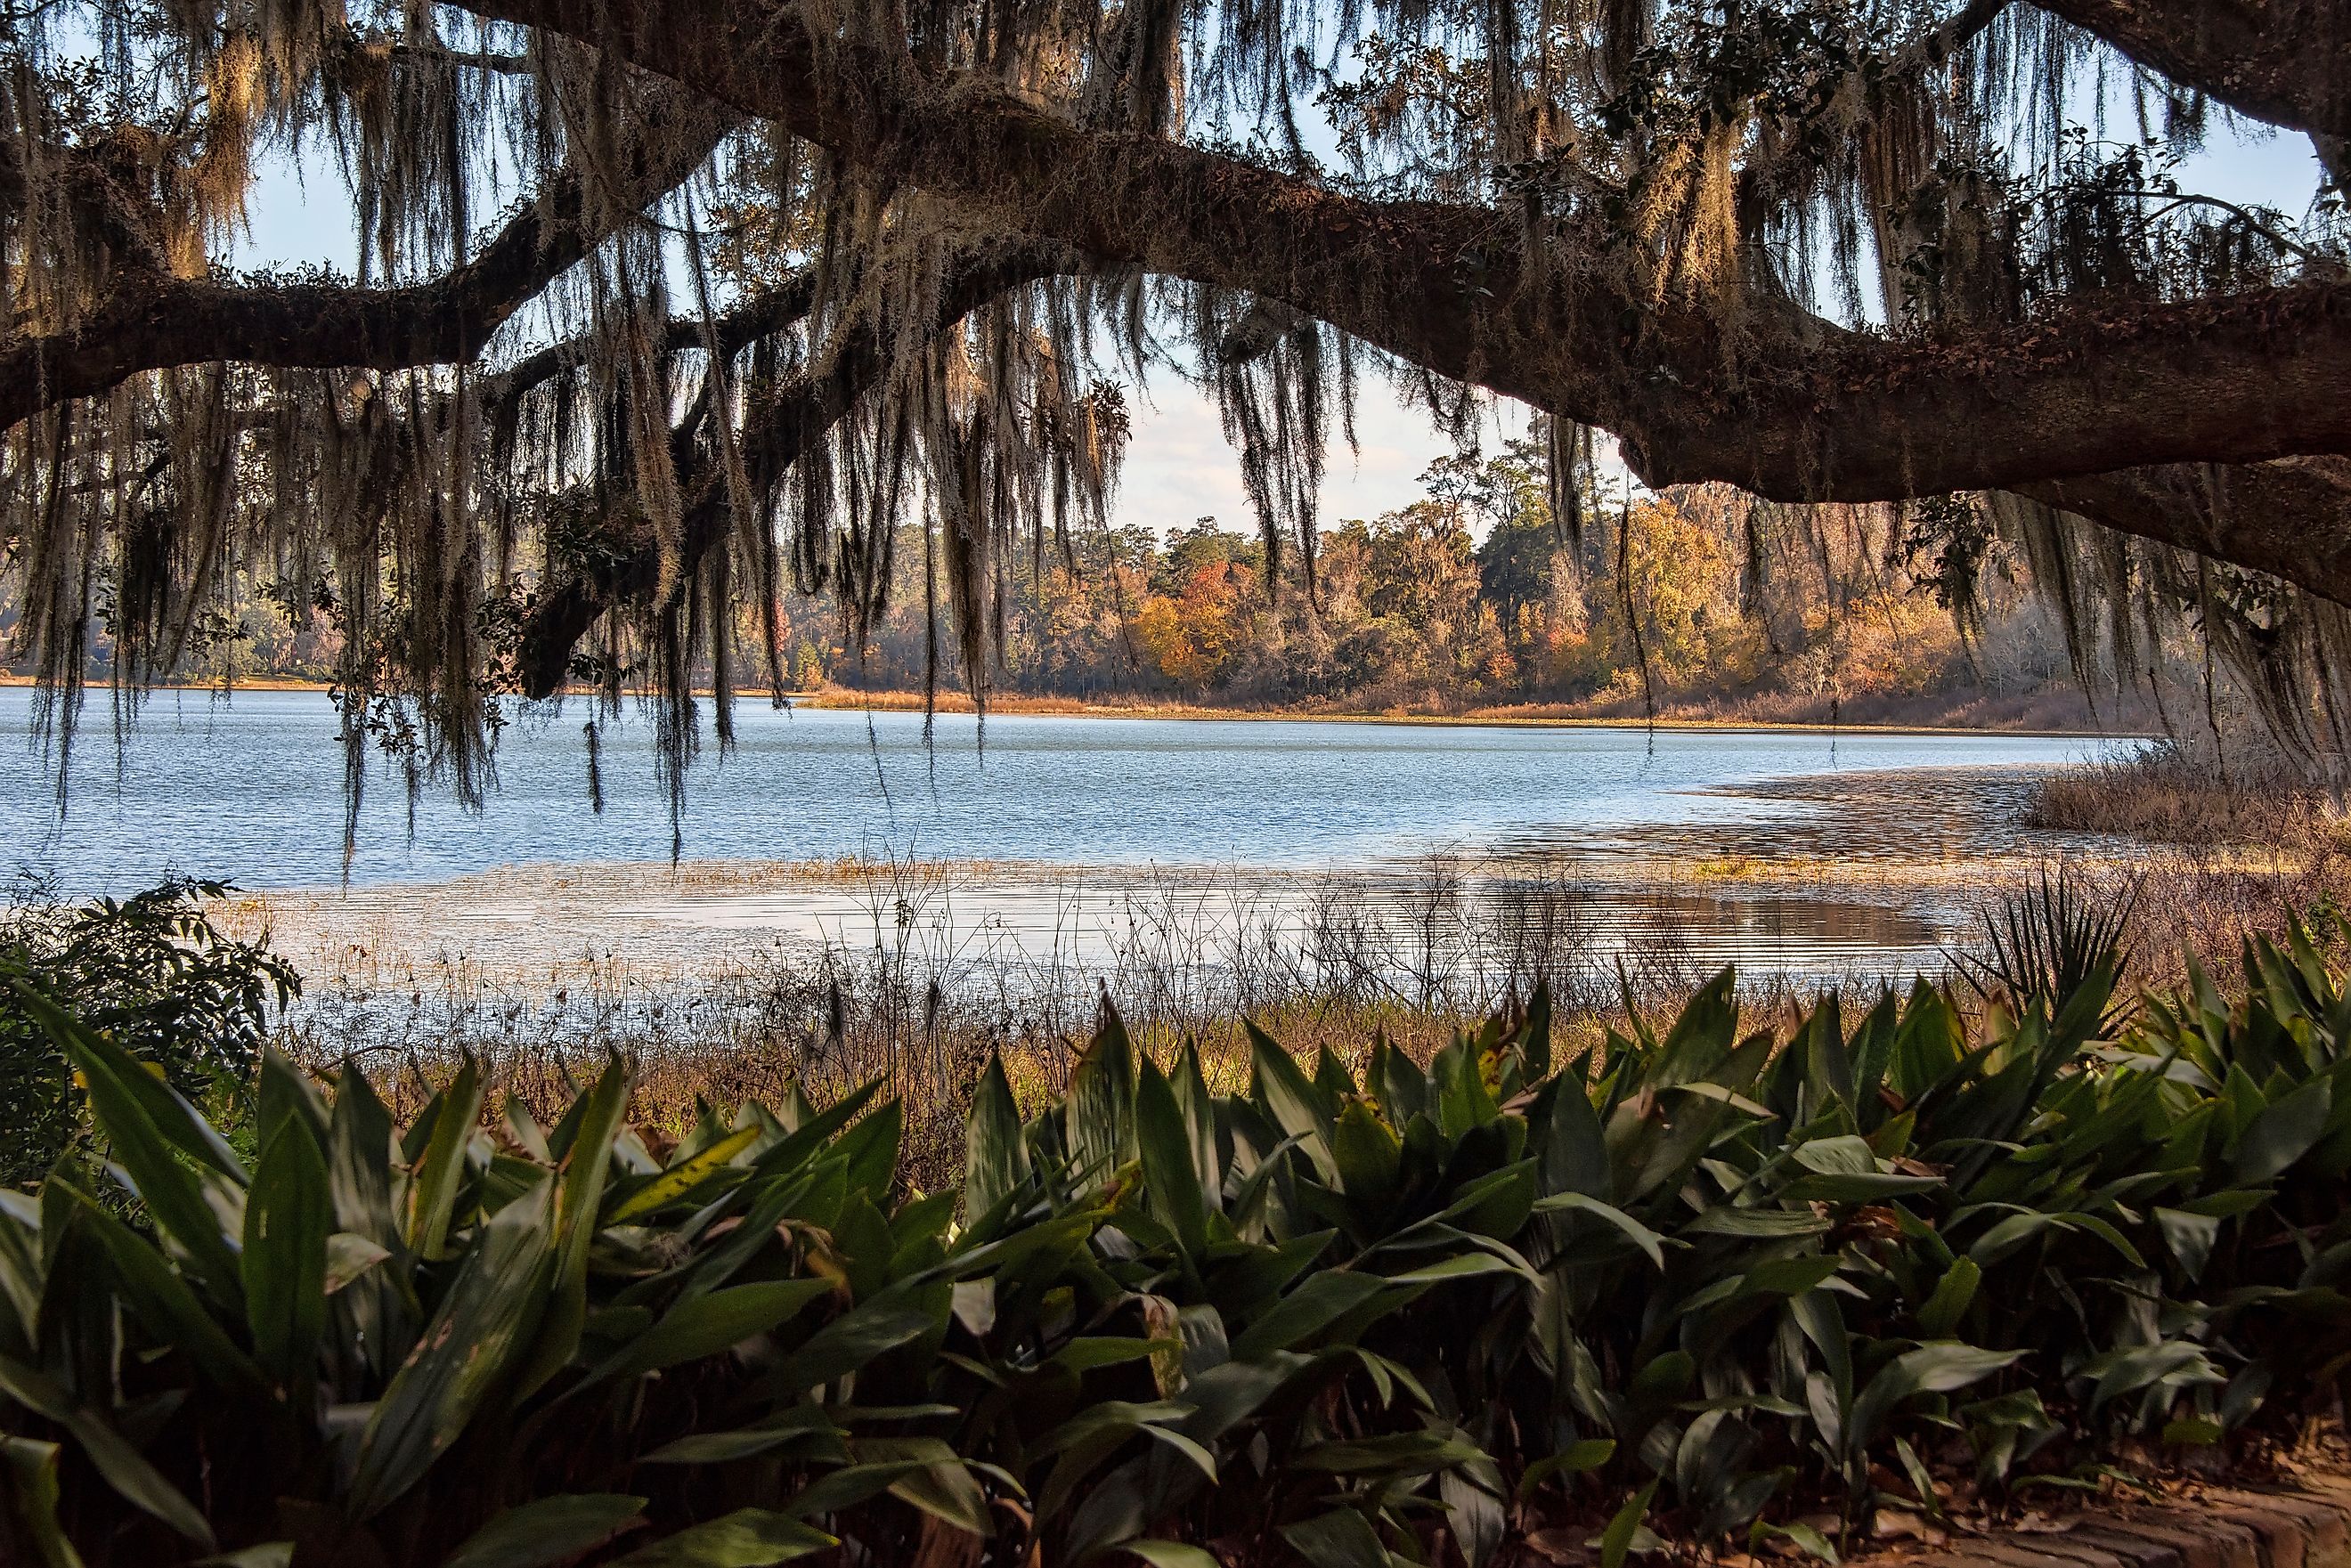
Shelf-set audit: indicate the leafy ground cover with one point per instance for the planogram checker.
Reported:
(1703, 1288)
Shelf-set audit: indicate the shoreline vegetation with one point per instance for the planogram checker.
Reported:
(735, 978)
(1719, 1280)
(1924, 716)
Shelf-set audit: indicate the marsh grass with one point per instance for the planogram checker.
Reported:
(2228, 844)
(2171, 793)
(926, 969)
(913, 995)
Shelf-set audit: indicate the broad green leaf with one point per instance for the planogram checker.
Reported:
(1321, 1301)
(154, 1291)
(32, 1469)
(348, 1257)
(268, 1554)
(947, 1490)
(1616, 1540)
(1340, 1539)
(587, 1134)
(287, 1215)
(707, 1324)
(870, 1151)
(1842, 1155)
(995, 1157)
(681, 1179)
(1171, 1555)
(1090, 1351)
(748, 1538)
(123, 1104)
(1462, 1266)
(473, 1341)
(121, 1465)
(806, 1424)
(1808, 1540)
(1168, 1172)
(1398, 1453)
(867, 1329)
(1757, 1223)
(1098, 1114)
(1575, 1150)
(2190, 1237)
(2172, 1362)
(1939, 1368)
(810, 1130)
(548, 1530)
(440, 1172)
(358, 1153)
(2284, 1131)
(1587, 1454)
(1646, 1239)
(163, 1109)
(1368, 1155)
(1954, 1293)
(1298, 1106)
(287, 1094)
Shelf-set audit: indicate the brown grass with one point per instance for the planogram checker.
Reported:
(2229, 851)
(2171, 794)
(921, 1006)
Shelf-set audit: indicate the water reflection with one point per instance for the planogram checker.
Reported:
(1445, 931)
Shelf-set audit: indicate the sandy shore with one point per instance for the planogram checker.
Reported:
(1512, 716)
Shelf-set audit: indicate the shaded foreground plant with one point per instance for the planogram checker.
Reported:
(154, 972)
(1690, 1283)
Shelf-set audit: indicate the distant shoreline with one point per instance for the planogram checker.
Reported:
(841, 698)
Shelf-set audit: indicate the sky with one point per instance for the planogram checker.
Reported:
(1178, 465)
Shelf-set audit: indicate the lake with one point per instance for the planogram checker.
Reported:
(1064, 847)
(249, 789)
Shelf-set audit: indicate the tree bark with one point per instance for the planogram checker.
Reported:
(2284, 517)
(152, 321)
(1748, 389)
(2285, 61)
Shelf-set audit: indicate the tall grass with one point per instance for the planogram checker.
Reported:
(917, 997)
(2216, 843)
(2200, 796)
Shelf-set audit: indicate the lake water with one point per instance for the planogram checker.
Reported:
(249, 789)
(1068, 847)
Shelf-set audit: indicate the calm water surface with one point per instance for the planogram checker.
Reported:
(249, 789)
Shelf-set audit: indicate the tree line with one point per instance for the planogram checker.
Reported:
(1477, 596)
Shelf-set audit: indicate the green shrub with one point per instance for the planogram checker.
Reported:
(151, 973)
(1695, 1282)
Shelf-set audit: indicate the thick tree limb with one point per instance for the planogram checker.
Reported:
(2285, 61)
(2285, 517)
(151, 321)
(1749, 388)
(768, 311)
